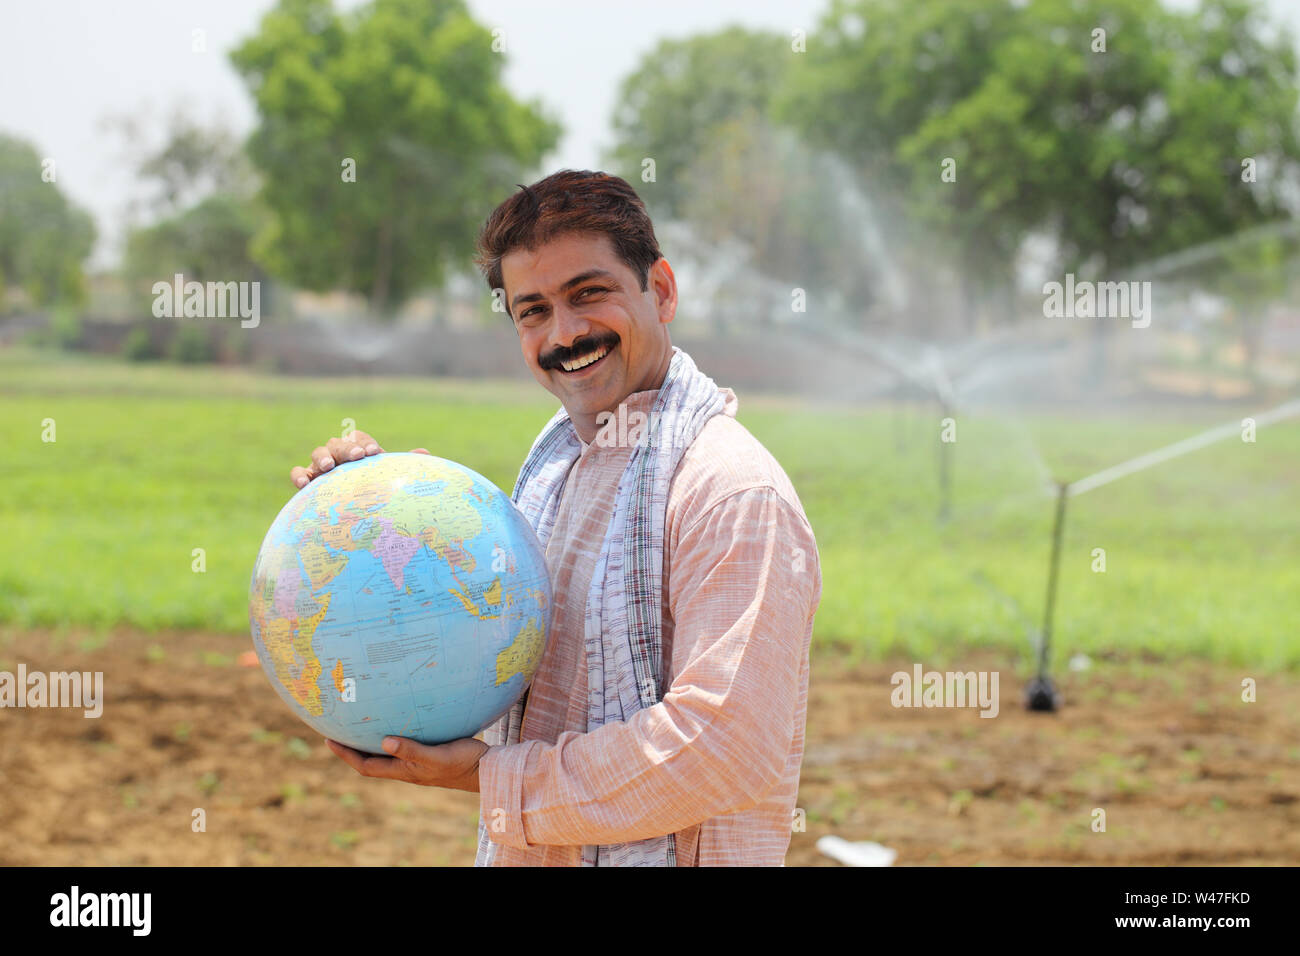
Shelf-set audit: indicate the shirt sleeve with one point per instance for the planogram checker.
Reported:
(744, 583)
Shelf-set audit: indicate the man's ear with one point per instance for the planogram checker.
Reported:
(664, 286)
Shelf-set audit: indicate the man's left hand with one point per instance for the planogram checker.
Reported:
(452, 765)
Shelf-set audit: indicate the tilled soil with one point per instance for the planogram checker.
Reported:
(1185, 771)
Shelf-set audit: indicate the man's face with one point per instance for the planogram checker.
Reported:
(588, 333)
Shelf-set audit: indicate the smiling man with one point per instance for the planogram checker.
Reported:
(665, 724)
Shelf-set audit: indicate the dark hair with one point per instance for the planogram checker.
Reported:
(565, 202)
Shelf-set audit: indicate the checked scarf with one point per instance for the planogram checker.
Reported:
(622, 624)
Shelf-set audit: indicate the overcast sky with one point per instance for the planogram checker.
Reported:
(66, 65)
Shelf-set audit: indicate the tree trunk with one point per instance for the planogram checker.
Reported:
(383, 269)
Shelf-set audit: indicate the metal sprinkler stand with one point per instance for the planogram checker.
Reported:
(1041, 693)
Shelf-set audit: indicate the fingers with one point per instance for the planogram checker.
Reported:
(421, 451)
(365, 764)
(351, 447)
(354, 445)
(341, 450)
(404, 748)
(368, 444)
(321, 461)
(452, 765)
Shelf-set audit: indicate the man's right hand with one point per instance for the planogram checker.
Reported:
(350, 447)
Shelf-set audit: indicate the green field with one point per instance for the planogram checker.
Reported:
(153, 461)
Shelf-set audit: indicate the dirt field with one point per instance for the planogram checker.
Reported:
(1186, 772)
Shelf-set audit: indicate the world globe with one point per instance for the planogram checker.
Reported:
(400, 594)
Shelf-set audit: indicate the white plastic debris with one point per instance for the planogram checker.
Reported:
(864, 853)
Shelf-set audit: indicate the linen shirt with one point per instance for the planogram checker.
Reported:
(717, 760)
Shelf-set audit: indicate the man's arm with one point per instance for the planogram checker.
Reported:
(745, 581)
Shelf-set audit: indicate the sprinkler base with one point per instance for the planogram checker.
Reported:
(1041, 694)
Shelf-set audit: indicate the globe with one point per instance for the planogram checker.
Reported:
(400, 594)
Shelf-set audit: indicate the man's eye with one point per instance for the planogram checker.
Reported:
(527, 312)
(592, 288)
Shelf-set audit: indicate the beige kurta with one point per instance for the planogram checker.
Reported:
(717, 760)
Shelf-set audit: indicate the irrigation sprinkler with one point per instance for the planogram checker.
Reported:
(1041, 694)
(974, 366)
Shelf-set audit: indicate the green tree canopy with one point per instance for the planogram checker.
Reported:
(44, 238)
(207, 242)
(1117, 153)
(700, 107)
(671, 106)
(194, 162)
(762, 185)
(409, 91)
(205, 214)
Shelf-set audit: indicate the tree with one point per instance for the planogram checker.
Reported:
(207, 242)
(194, 162)
(202, 199)
(1252, 276)
(385, 134)
(760, 184)
(44, 238)
(700, 108)
(1118, 145)
(670, 107)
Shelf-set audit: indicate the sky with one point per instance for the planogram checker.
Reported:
(66, 66)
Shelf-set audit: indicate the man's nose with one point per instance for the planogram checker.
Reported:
(569, 326)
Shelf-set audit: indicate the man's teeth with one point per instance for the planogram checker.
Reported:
(584, 361)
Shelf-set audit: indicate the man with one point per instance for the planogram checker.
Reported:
(665, 723)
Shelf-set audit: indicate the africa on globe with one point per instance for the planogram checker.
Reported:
(400, 594)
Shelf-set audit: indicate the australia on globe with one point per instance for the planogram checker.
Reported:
(400, 594)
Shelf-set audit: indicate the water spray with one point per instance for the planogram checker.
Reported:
(973, 366)
(943, 392)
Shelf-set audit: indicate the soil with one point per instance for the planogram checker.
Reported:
(1186, 772)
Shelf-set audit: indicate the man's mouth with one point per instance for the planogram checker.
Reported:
(584, 361)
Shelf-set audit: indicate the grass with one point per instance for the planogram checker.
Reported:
(154, 461)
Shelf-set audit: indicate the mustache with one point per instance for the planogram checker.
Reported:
(584, 346)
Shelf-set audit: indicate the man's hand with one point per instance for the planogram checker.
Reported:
(350, 447)
(453, 766)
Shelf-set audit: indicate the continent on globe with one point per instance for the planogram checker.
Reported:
(521, 655)
(422, 585)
